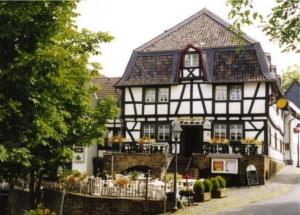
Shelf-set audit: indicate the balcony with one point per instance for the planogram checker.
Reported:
(234, 148)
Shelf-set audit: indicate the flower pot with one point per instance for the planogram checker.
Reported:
(221, 193)
(202, 197)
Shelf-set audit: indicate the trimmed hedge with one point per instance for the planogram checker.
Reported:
(208, 186)
(198, 187)
(221, 181)
(216, 184)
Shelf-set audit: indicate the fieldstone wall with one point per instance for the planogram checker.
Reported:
(123, 161)
(79, 205)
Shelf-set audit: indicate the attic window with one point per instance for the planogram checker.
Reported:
(191, 60)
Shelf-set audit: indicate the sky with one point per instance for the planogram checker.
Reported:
(134, 22)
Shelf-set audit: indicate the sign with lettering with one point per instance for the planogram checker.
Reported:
(251, 173)
(78, 156)
(224, 165)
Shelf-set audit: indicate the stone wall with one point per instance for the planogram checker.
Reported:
(79, 205)
(123, 161)
(265, 166)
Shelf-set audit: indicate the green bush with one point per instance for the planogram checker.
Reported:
(222, 181)
(207, 185)
(198, 187)
(216, 184)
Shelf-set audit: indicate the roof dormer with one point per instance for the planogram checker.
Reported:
(191, 64)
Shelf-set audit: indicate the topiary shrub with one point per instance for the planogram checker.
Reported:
(208, 186)
(216, 185)
(198, 187)
(222, 181)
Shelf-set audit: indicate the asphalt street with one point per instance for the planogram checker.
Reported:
(287, 204)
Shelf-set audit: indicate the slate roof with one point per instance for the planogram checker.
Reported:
(224, 59)
(106, 86)
(293, 93)
(203, 30)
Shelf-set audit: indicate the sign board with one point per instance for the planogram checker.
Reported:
(281, 103)
(78, 156)
(251, 175)
(223, 165)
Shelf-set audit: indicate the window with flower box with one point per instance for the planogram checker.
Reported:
(163, 132)
(220, 131)
(149, 131)
(236, 132)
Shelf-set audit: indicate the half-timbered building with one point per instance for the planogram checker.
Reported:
(221, 88)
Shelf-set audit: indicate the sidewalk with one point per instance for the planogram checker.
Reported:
(239, 197)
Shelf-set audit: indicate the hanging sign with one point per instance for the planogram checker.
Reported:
(281, 103)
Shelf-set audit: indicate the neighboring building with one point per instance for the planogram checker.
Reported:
(199, 74)
(291, 135)
(83, 156)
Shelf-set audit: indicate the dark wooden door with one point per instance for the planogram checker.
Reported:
(192, 137)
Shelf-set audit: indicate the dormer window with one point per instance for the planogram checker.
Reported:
(191, 60)
(191, 65)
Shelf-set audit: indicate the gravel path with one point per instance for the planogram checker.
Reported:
(282, 183)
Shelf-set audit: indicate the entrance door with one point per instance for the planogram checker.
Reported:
(192, 137)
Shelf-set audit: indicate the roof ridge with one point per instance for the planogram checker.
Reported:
(212, 15)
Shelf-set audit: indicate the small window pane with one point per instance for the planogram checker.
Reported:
(150, 95)
(163, 95)
(191, 60)
(235, 93)
(221, 92)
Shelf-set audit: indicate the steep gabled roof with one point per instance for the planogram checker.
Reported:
(203, 30)
(293, 93)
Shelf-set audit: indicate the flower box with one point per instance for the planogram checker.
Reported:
(221, 193)
(202, 197)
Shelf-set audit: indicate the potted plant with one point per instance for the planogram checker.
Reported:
(202, 191)
(219, 187)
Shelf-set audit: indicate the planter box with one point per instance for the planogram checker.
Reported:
(220, 193)
(203, 197)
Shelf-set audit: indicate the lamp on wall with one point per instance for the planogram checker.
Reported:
(297, 130)
(176, 131)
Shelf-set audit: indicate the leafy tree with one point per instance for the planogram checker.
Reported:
(281, 25)
(289, 75)
(45, 89)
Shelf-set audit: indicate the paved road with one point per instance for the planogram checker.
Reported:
(288, 204)
(280, 196)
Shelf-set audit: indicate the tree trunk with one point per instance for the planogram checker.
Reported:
(32, 190)
(10, 196)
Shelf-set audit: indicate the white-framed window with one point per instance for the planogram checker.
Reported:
(163, 95)
(191, 60)
(235, 92)
(150, 95)
(236, 132)
(221, 92)
(149, 131)
(220, 130)
(163, 132)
